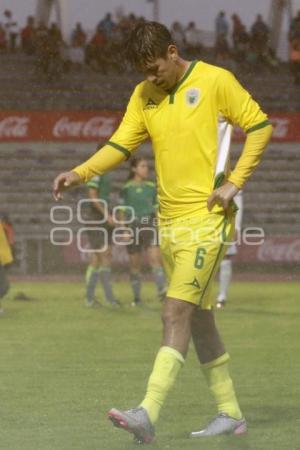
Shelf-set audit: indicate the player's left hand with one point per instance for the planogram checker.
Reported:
(222, 196)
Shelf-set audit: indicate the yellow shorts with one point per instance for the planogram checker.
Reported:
(192, 250)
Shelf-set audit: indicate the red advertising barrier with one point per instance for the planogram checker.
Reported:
(95, 126)
(274, 250)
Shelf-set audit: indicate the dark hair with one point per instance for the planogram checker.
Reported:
(147, 42)
(134, 162)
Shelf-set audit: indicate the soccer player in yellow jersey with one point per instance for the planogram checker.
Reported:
(187, 110)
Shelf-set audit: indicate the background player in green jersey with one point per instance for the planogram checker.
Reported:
(138, 196)
(100, 263)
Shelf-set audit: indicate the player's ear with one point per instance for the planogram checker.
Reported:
(172, 52)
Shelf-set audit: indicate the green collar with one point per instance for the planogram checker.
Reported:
(182, 80)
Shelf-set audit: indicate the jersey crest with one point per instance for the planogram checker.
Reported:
(192, 96)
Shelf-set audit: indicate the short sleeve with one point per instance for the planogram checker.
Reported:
(132, 130)
(237, 105)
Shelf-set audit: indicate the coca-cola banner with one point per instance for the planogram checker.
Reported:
(276, 249)
(58, 126)
(97, 126)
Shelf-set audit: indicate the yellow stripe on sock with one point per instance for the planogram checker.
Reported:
(216, 362)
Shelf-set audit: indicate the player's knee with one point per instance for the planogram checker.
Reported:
(176, 312)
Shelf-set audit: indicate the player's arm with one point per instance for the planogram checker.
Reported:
(238, 106)
(130, 134)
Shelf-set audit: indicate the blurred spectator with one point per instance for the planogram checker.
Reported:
(260, 42)
(78, 37)
(240, 39)
(193, 40)
(295, 58)
(2, 38)
(222, 25)
(78, 42)
(11, 30)
(106, 25)
(96, 51)
(221, 28)
(260, 35)
(294, 31)
(178, 35)
(41, 42)
(49, 48)
(28, 36)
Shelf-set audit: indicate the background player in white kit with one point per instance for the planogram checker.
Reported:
(225, 273)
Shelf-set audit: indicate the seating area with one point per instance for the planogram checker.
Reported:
(22, 87)
(27, 175)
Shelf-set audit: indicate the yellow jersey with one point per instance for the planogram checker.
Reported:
(190, 130)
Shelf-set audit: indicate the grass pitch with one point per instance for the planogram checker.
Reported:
(63, 366)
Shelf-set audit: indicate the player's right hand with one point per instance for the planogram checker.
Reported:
(64, 181)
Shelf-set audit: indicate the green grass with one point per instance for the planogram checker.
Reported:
(62, 366)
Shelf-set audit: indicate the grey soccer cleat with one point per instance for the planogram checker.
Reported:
(222, 424)
(135, 421)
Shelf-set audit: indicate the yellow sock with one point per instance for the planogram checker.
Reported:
(166, 367)
(221, 386)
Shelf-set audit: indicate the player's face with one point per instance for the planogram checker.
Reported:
(163, 72)
(142, 169)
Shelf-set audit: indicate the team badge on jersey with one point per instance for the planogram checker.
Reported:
(192, 96)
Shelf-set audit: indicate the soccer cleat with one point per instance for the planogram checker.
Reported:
(92, 303)
(135, 421)
(136, 302)
(221, 304)
(222, 424)
(114, 302)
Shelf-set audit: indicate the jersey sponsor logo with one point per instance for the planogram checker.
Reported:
(192, 96)
(194, 283)
(150, 104)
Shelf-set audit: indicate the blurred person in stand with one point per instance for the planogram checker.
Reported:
(295, 59)
(28, 36)
(177, 33)
(260, 38)
(240, 39)
(222, 51)
(96, 52)
(11, 29)
(42, 47)
(2, 38)
(78, 43)
(193, 40)
(106, 25)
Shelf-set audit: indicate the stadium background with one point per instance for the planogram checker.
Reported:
(62, 365)
(48, 125)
